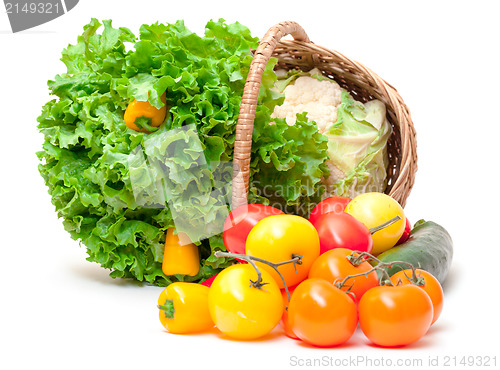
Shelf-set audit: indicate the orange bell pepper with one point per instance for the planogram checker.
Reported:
(137, 109)
(180, 256)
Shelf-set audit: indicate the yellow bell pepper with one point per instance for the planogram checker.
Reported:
(137, 109)
(184, 308)
(180, 256)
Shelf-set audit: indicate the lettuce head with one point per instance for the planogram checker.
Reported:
(118, 190)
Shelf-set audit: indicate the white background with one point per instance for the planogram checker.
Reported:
(60, 311)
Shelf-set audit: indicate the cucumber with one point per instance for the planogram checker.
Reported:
(429, 248)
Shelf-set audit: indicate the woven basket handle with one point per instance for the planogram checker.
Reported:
(244, 127)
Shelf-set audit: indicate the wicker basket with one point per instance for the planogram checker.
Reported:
(360, 81)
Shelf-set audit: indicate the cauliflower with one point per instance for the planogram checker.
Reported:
(357, 133)
(319, 98)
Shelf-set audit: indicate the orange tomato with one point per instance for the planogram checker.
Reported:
(431, 287)
(285, 323)
(333, 266)
(392, 316)
(321, 314)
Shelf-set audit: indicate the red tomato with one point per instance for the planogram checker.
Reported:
(431, 287)
(341, 230)
(406, 233)
(285, 322)
(209, 281)
(240, 221)
(333, 266)
(321, 314)
(328, 205)
(392, 316)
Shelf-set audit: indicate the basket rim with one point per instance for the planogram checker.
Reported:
(302, 53)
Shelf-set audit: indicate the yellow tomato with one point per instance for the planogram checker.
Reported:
(279, 238)
(373, 209)
(241, 310)
(184, 308)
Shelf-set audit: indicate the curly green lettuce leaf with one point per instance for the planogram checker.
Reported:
(289, 165)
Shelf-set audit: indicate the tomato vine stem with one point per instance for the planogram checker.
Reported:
(358, 257)
(384, 225)
(296, 259)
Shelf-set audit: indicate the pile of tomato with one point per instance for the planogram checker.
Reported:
(318, 277)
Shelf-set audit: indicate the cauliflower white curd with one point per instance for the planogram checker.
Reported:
(308, 94)
(357, 133)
